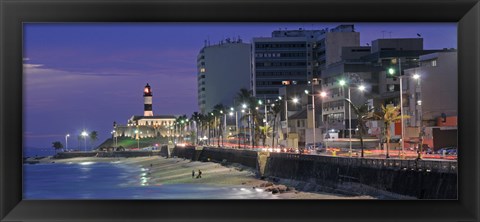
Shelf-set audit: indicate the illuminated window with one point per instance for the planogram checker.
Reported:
(202, 69)
(434, 62)
(285, 82)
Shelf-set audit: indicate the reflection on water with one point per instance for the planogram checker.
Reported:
(91, 180)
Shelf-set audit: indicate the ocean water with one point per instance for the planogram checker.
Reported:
(34, 152)
(90, 180)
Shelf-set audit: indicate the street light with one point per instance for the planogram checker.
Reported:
(322, 94)
(85, 134)
(66, 141)
(114, 133)
(419, 102)
(294, 100)
(236, 124)
(361, 88)
(313, 110)
(422, 130)
(138, 139)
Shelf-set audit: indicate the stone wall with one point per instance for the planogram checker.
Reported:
(245, 157)
(421, 181)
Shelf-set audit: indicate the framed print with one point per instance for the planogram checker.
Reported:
(263, 111)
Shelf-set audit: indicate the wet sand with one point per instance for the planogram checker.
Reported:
(179, 171)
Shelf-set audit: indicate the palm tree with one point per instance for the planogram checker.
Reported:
(364, 114)
(275, 110)
(247, 98)
(57, 145)
(93, 137)
(208, 120)
(218, 112)
(391, 114)
(180, 123)
(196, 119)
(203, 123)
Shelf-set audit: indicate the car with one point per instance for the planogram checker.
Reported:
(311, 147)
(452, 151)
(445, 149)
(429, 151)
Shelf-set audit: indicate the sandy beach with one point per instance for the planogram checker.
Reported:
(179, 171)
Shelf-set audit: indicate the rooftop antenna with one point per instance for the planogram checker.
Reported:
(390, 33)
(383, 34)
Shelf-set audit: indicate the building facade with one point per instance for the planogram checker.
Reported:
(368, 66)
(223, 69)
(431, 99)
(292, 57)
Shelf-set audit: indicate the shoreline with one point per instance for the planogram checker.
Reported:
(163, 170)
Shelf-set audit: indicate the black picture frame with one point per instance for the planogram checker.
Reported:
(15, 12)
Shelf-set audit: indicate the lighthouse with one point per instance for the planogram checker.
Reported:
(147, 101)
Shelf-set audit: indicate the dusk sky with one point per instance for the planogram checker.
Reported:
(87, 75)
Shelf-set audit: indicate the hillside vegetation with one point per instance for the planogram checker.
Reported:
(128, 142)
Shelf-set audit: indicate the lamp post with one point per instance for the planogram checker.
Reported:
(343, 83)
(294, 100)
(323, 95)
(236, 125)
(422, 129)
(313, 116)
(224, 126)
(66, 141)
(244, 130)
(265, 120)
(361, 88)
(236, 122)
(138, 139)
(85, 134)
(114, 133)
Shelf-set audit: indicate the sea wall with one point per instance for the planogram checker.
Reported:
(422, 179)
(245, 157)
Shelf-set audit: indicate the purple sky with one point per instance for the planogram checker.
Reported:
(87, 75)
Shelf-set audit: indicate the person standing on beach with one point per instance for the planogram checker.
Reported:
(199, 174)
(193, 173)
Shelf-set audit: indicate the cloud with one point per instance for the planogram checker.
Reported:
(27, 66)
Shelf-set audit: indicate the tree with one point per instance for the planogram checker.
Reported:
(218, 113)
(391, 114)
(180, 123)
(363, 114)
(57, 145)
(93, 137)
(196, 119)
(247, 98)
(275, 109)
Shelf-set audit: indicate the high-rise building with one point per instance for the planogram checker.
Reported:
(291, 57)
(223, 69)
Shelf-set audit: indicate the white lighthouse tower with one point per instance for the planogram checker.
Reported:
(147, 101)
